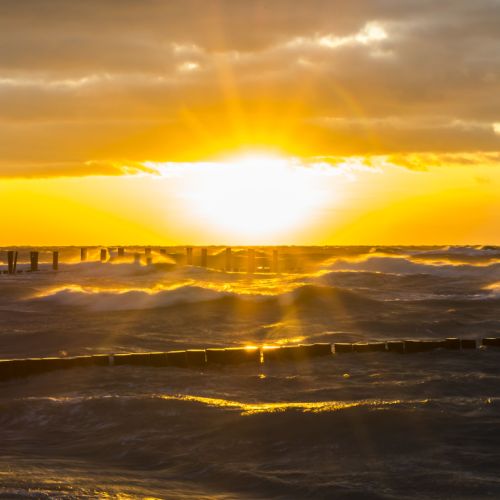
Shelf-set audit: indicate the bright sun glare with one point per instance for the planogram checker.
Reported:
(255, 195)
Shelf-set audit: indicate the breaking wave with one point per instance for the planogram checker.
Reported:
(102, 299)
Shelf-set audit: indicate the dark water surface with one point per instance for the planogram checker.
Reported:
(354, 426)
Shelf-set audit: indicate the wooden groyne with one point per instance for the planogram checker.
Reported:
(244, 260)
(210, 357)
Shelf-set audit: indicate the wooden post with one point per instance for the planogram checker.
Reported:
(204, 257)
(189, 255)
(11, 261)
(229, 259)
(275, 267)
(137, 258)
(104, 254)
(121, 252)
(83, 254)
(34, 261)
(55, 260)
(251, 261)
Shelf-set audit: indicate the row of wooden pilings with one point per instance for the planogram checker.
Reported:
(203, 258)
(199, 358)
(12, 258)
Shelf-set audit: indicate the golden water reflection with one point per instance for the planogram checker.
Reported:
(303, 406)
(264, 288)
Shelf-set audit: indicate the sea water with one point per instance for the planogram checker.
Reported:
(374, 425)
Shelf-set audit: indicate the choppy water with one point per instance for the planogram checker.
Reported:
(354, 426)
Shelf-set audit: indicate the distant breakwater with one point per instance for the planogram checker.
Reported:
(245, 259)
(210, 357)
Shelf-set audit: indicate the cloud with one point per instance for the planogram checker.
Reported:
(185, 80)
(329, 166)
(424, 161)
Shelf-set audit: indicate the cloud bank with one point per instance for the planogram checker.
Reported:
(87, 87)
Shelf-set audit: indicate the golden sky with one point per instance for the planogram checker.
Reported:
(240, 122)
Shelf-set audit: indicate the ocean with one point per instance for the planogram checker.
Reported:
(372, 425)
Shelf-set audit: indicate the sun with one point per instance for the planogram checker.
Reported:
(255, 197)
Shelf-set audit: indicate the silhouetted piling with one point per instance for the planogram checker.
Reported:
(141, 359)
(452, 343)
(34, 261)
(196, 357)
(318, 349)
(189, 256)
(83, 254)
(296, 353)
(128, 359)
(413, 346)
(429, 345)
(147, 253)
(215, 356)
(204, 257)
(157, 359)
(84, 361)
(251, 261)
(233, 355)
(491, 342)
(55, 260)
(468, 343)
(10, 262)
(275, 265)
(121, 252)
(104, 254)
(177, 358)
(342, 347)
(236, 355)
(368, 347)
(102, 360)
(396, 346)
(229, 258)
(137, 258)
(376, 347)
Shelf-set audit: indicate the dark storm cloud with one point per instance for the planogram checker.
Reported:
(103, 79)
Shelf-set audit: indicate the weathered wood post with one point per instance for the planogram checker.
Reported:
(55, 260)
(229, 264)
(204, 257)
(189, 255)
(104, 254)
(83, 254)
(149, 259)
(251, 261)
(34, 261)
(275, 266)
(10, 262)
(121, 252)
